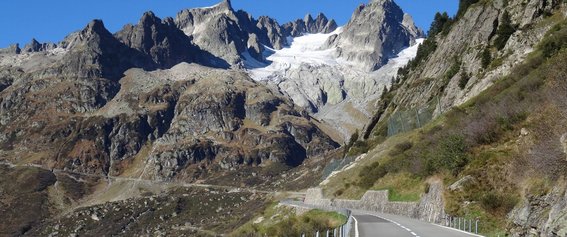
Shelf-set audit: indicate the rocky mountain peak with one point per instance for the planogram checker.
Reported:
(270, 31)
(381, 28)
(410, 25)
(96, 27)
(308, 25)
(95, 53)
(149, 18)
(226, 4)
(36, 46)
(161, 40)
(308, 19)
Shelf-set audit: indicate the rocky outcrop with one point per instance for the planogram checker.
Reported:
(96, 53)
(161, 40)
(35, 46)
(308, 25)
(98, 126)
(12, 49)
(217, 30)
(270, 31)
(464, 42)
(239, 123)
(376, 32)
(541, 215)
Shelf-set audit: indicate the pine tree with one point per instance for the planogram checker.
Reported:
(505, 30)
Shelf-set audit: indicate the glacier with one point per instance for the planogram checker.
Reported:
(335, 91)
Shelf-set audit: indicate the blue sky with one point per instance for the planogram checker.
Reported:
(51, 21)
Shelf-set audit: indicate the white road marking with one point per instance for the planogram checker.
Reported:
(355, 227)
(398, 224)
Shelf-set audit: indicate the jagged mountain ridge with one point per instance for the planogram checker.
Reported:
(390, 31)
(236, 36)
(340, 75)
(108, 126)
(161, 102)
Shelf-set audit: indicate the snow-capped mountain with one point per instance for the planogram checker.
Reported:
(339, 76)
(334, 89)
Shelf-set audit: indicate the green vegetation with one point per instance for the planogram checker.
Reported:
(505, 30)
(554, 40)
(354, 146)
(450, 154)
(486, 58)
(441, 23)
(423, 52)
(453, 70)
(282, 221)
(464, 6)
(402, 187)
(464, 80)
(480, 139)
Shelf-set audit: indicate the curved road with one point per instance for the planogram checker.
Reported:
(369, 224)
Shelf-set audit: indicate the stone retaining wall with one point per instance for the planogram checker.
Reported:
(430, 208)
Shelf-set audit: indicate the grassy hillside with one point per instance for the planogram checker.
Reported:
(279, 220)
(507, 140)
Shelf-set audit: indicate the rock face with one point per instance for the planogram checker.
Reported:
(543, 215)
(308, 25)
(161, 40)
(376, 32)
(271, 32)
(88, 110)
(464, 43)
(187, 126)
(216, 30)
(238, 123)
(95, 52)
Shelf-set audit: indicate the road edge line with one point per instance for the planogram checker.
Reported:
(450, 228)
(355, 227)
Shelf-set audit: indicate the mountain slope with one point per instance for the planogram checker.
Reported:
(492, 79)
(317, 73)
(214, 100)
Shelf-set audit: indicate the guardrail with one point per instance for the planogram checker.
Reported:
(341, 231)
(461, 223)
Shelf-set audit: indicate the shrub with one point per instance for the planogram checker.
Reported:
(359, 147)
(486, 58)
(451, 154)
(554, 40)
(453, 70)
(464, 80)
(369, 174)
(351, 142)
(496, 202)
(353, 138)
(400, 148)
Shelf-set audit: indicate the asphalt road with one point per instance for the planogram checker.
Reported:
(384, 225)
